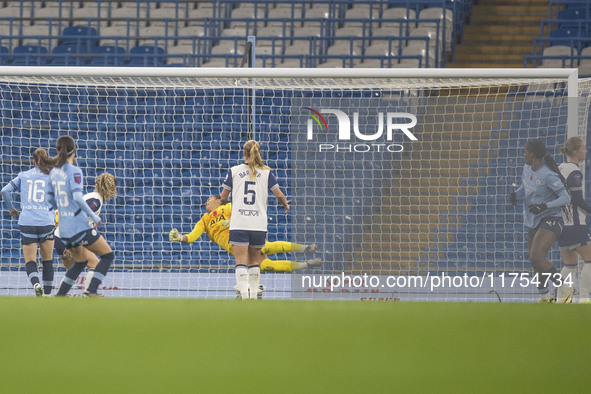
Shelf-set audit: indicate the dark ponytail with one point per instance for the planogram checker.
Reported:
(65, 148)
(43, 161)
(551, 163)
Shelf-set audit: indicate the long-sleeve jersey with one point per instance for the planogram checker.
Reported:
(542, 186)
(210, 223)
(34, 185)
(94, 201)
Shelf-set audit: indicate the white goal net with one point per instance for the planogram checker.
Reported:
(400, 177)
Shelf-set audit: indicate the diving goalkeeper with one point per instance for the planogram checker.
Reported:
(215, 224)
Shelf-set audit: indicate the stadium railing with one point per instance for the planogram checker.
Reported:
(576, 44)
(537, 60)
(358, 60)
(557, 6)
(580, 26)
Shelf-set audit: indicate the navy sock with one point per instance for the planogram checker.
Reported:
(554, 276)
(101, 271)
(47, 276)
(70, 278)
(32, 272)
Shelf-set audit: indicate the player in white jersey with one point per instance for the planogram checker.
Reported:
(575, 239)
(544, 193)
(249, 184)
(105, 189)
(35, 219)
(77, 234)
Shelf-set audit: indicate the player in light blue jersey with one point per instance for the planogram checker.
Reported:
(249, 184)
(75, 230)
(575, 239)
(36, 219)
(105, 189)
(544, 193)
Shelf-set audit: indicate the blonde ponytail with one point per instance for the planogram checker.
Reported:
(252, 153)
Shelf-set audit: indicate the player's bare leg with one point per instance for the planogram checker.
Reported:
(93, 261)
(538, 247)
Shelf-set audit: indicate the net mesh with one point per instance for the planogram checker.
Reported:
(389, 176)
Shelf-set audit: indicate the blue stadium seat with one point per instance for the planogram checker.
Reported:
(4, 55)
(84, 38)
(67, 55)
(574, 12)
(108, 56)
(562, 35)
(30, 55)
(145, 55)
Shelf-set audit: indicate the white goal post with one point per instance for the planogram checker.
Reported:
(397, 175)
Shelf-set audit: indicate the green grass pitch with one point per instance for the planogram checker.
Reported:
(187, 346)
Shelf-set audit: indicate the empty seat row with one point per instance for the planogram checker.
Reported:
(69, 55)
(565, 39)
(561, 56)
(137, 23)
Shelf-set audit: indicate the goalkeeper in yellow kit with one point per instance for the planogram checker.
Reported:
(215, 224)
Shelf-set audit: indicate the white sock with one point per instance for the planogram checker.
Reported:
(254, 276)
(585, 282)
(242, 281)
(568, 274)
(88, 278)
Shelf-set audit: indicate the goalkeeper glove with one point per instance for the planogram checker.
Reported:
(225, 223)
(513, 198)
(174, 235)
(537, 208)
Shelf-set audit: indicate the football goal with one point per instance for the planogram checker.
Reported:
(399, 176)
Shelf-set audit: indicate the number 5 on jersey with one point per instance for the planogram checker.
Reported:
(249, 194)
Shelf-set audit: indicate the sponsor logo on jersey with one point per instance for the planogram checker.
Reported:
(249, 212)
(216, 219)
